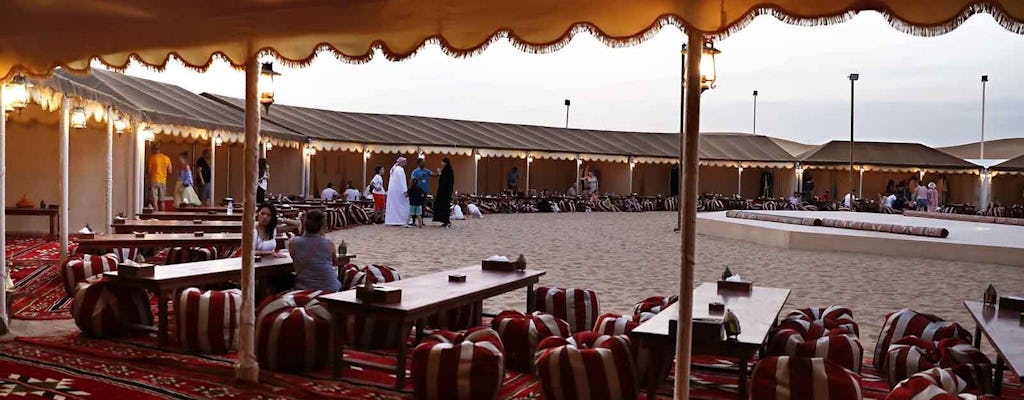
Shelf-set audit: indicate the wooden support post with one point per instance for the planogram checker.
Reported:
(248, 369)
(65, 128)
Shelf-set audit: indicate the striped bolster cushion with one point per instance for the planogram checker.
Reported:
(967, 362)
(832, 317)
(102, 309)
(654, 304)
(800, 378)
(587, 366)
(907, 322)
(845, 350)
(451, 366)
(79, 270)
(578, 307)
(908, 356)
(128, 253)
(933, 384)
(207, 321)
(521, 333)
(292, 329)
(352, 275)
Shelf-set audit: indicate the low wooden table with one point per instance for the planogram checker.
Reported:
(1003, 329)
(177, 226)
(169, 278)
(191, 215)
(44, 212)
(164, 240)
(422, 296)
(757, 311)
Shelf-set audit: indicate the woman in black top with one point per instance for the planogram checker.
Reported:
(443, 201)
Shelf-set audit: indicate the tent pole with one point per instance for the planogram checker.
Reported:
(476, 171)
(213, 171)
(739, 181)
(110, 171)
(248, 369)
(363, 155)
(65, 127)
(527, 190)
(4, 327)
(688, 221)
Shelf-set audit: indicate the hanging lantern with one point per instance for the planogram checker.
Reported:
(16, 93)
(266, 85)
(310, 150)
(120, 124)
(218, 140)
(267, 145)
(708, 75)
(78, 117)
(366, 154)
(529, 159)
(147, 134)
(477, 156)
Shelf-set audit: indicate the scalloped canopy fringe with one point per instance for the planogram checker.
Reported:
(459, 27)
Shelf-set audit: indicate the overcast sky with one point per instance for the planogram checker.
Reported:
(911, 88)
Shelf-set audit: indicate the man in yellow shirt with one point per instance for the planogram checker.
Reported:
(159, 168)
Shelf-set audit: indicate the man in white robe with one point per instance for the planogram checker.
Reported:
(396, 210)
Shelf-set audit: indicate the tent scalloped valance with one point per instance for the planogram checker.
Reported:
(501, 153)
(330, 145)
(883, 168)
(604, 157)
(197, 31)
(457, 151)
(552, 155)
(386, 149)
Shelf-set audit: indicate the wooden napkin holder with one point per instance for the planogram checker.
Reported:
(120, 220)
(257, 258)
(140, 235)
(380, 294)
(91, 235)
(716, 308)
(199, 233)
(1011, 303)
(458, 278)
(735, 286)
(503, 266)
(141, 270)
(211, 212)
(197, 221)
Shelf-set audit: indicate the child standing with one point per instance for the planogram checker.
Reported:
(416, 199)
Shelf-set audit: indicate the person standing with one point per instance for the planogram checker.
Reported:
(921, 198)
(184, 194)
(933, 197)
(396, 211)
(263, 180)
(443, 199)
(421, 175)
(377, 189)
(512, 179)
(159, 169)
(416, 199)
(203, 178)
(329, 194)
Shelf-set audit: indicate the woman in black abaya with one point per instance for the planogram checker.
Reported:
(443, 200)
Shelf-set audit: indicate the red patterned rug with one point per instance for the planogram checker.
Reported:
(46, 299)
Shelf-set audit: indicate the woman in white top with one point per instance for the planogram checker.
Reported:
(266, 231)
(377, 188)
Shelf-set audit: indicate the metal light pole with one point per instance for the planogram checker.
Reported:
(853, 78)
(984, 82)
(682, 123)
(755, 113)
(567, 102)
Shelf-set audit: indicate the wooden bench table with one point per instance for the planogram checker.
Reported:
(177, 226)
(164, 240)
(167, 279)
(1003, 329)
(757, 311)
(191, 215)
(422, 296)
(42, 212)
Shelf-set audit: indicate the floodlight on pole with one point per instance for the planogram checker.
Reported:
(853, 78)
(567, 103)
(754, 129)
(984, 83)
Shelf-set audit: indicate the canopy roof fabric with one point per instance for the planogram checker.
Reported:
(156, 102)
(1014, 164)
(994, 149)
(428, 131)
(37, 36)
(883, 154)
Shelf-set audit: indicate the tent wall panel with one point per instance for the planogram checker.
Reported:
(552, 175)
(493, 171)
(652, 179)
(720, 180)
(285, 170)
(1008, 189)
(612, 177)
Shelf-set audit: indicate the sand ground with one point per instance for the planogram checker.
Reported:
(626, 257)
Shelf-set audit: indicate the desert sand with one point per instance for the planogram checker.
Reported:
(626, 257)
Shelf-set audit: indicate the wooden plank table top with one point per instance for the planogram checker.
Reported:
(422, 296)
(51, 212)
(177, 226)
(757, 311)
(1005, 331)
(167, 279)
(191, 215)
(163, 240)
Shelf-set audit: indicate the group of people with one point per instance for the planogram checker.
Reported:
(191, 189)
(922, 198)
(314, 257)
(403, 204)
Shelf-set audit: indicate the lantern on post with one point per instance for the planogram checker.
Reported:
(147, 134)
(266, 85)
(218, 141)
(78, 117)
(16, 93)
(120, 124)
(708, 75)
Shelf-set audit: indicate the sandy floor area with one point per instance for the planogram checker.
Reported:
(628, 256)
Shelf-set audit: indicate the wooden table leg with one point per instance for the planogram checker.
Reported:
(53, 221)
(997, 379)
(403, 351)
(420, 327)
(529, 299)
(336, 344)
(163, 325)
(741, 393)
(478, 311)
(977, 336)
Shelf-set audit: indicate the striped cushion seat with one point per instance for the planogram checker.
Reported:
(969, 363)
(451, 366)
(521, 333)
(830, 317)
(358, 215)
(616, 324)
(578, 307)
(102, 309)
(207, 321)
(292, 331)
(181, 255)
(369, 332)
(352, 276)
(933, 384)
(907, 322)
(785, 378)
(128, 253)
(911, 355)
(654, 304)
(843, 349)
(79, 270)
(587, 366)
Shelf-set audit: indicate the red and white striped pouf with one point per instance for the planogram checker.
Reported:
(654, 304)
(785, 378)
(369, 332)
(933, 384)
(102, 309)
(292, 331)
(351, 276)
(831, 317)
(907, 322)
(587, 366)
(452, 366)
(128, 253)
(843, 349)
(579, 307)
(79, 270)
(911, 355)
(616, 324)
(521, 333)
(207, 321)
(181, 255)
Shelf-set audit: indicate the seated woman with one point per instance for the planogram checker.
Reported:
(265, 240)
(314, 257)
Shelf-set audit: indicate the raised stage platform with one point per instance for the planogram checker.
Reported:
(967, 241)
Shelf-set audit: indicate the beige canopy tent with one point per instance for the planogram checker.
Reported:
(1008, 181)
(35, 37)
